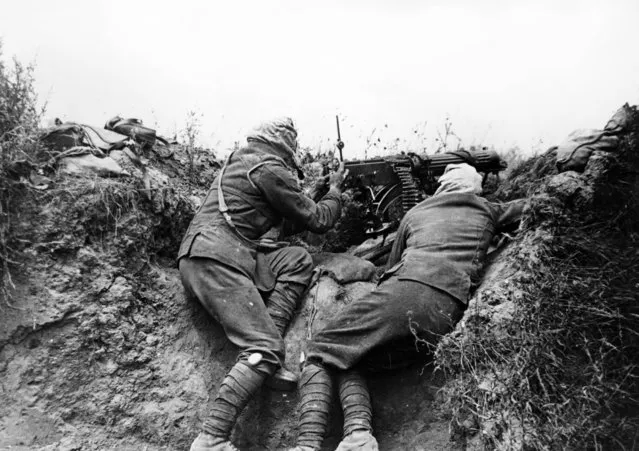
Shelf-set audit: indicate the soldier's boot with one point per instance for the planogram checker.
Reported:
(359, 440)
(206, 442)
(315, 392)
(282, 303)
(238, 387)
(358, 413)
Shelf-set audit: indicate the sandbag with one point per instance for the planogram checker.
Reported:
(90, 166)
(345, 268)
(70, 134)
(573, 154)
(63, 137)
(621, 120)
(105, 140)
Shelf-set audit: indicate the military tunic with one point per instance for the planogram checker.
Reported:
(438, 255)
(244, 286)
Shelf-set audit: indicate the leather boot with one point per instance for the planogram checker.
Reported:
(316, 389)
(359, 440)
(282, 380)
(237, 388)
(206, 442)
(358, 413)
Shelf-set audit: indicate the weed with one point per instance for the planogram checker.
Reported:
(190, 134)
(562, 372)
(19, 116)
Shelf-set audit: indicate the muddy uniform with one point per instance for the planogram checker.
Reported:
(253, 292)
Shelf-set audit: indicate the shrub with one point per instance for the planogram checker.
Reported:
(19, 117)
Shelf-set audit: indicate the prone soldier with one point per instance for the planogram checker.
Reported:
(437, 257)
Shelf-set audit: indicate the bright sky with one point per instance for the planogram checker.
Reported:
(505, 72)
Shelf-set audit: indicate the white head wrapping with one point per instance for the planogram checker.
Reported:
(281, 134)
(459, 178)
(278, 132)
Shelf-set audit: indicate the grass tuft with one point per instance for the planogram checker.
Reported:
(561, 370)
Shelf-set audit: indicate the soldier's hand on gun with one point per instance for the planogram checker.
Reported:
(320, 188)
(322, 184)
(337, 178)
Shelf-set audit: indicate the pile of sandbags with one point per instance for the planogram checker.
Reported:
(80, 149)
(573, 154)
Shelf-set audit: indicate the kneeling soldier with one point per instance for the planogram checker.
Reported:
(252, 285)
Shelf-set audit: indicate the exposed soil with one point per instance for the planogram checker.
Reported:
(100, 349)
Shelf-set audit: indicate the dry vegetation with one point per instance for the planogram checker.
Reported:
(562, 373)
(19, 148)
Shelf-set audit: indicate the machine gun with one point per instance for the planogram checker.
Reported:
(389, 187)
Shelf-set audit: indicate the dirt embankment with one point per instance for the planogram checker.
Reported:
(101, 350)
(546, 354)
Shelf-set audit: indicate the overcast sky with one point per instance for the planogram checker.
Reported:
(506, 73)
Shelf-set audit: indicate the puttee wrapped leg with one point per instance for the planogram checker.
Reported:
(358, 413)
(238, 387)
(282, 302)
(316, 390)
(281, 306)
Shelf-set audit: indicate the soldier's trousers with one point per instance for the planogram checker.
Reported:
(234, 300)
(386, 328)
